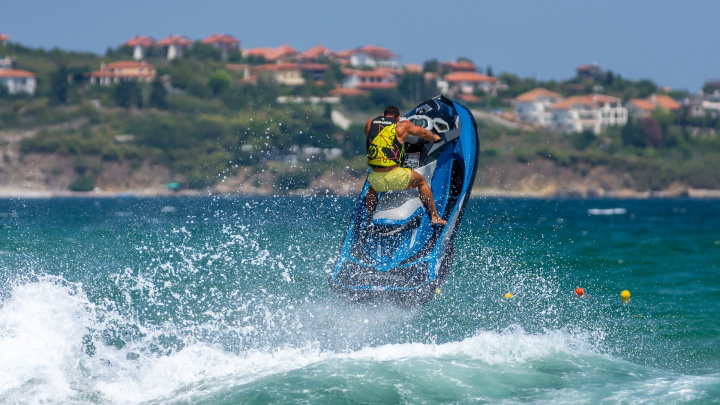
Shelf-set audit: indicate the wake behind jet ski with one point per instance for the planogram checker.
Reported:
(399, 254)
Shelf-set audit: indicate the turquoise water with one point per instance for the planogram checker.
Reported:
(225, 300)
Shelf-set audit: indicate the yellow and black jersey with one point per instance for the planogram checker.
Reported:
(383, 147)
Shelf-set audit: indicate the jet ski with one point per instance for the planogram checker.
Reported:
(398, 254)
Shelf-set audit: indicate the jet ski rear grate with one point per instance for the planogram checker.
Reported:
(356, 275)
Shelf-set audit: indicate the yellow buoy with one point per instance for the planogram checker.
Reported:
(508, 295)
(625, 296)
(437, 291)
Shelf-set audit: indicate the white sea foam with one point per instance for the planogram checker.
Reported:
(607, 211)
(42, 325)
(46, 327)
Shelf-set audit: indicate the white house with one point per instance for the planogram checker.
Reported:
(642, 108)
(468, 83)
(589, 113)
(140, 44)
(116, 72)
(318, 52)
(7, 63)
(373, 56)
(18, 80)
(175, 45)
(534, 107)
(370, 79)
(225, 42)
(287, 74)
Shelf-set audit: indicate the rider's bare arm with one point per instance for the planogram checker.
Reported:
(405, 128)
(366, 128)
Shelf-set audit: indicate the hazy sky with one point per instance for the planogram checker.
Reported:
(674, 43)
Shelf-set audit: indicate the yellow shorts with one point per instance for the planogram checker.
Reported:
(397, 179)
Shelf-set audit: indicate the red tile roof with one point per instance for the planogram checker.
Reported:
(225, 39)
(413, 68)
(377, 73)
(591, 100)
(248, 80)
(534, 94)
(174, 40)
(280, 51)
(103, 73)
(127, 64)
(463, 66)
(314, 66)
(109, 69)
(376, 51)
(469, 77)
(666, 102)
(344, 54)
(468, 97)
(601, 98)
(256, 52)
(271, 54)
(572, 101)
(19, 73)
(139, 40)
(276, 67)
(344, 91)
(316, 51)
(377, 85)
(4, 38)
(643, 104)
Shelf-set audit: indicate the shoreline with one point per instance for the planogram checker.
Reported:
(625, 194)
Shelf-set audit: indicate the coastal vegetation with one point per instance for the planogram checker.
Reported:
(202, 121)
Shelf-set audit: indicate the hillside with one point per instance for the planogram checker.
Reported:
(202, 126)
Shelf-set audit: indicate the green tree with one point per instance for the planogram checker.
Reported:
(583, 140)
(645, 88)
(181, 75)
(431, 65)
(4, 93)
(633, 135)
(158, 94)
(204, 52)
(653, 132)
(83, 183)
(59, 85)
(609, 78)
(127, 94)
(219, 81)
(333, 76)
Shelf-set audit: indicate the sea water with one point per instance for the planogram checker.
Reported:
(220, 300)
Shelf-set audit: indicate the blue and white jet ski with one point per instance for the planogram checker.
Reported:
(399, 254)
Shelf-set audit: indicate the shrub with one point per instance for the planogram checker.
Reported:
(583, 140)
(219, 81)
(295, 179)
(82, 183)
(560, 158)
(522, 155)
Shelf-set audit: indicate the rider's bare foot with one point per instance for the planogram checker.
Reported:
(435, 220)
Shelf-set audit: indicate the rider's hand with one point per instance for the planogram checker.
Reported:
(436, 138)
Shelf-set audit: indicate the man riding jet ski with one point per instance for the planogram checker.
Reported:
(392, 248)
(385, 144)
